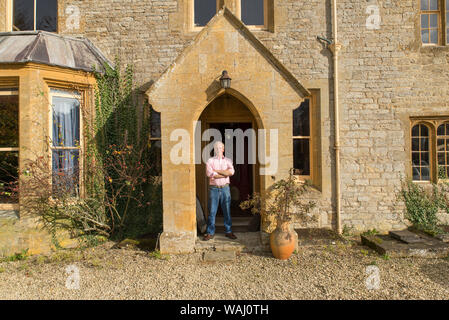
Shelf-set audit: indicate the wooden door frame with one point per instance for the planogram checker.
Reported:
(253, 182)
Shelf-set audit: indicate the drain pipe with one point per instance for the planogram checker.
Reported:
(335, 48)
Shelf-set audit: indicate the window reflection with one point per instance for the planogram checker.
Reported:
(253, 12)
(204, 10)
(29, 15)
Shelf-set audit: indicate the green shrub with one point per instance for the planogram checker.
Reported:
(422, 206)
(19, 256)
(371, 232)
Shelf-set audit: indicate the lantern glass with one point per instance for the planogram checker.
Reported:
(225, 80)
(225, 83)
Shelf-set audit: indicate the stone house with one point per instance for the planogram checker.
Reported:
(351, 94)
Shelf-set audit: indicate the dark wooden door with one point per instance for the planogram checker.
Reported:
(242, 180)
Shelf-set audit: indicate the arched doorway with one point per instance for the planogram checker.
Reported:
(230, 116)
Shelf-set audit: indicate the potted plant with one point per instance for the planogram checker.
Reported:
(282, 202)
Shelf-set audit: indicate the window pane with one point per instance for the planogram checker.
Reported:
(301, 125)
(424, 144)
(9, 164)
(424, 130)
(301, 156)
(434, 4)
(9, 121)
(425, 173)
(424, 4)
(440, 145)
(425, 158)
(46, 14)
(24, 14)
(204, 10)
(156, 158)
(440, 130)
(65, 171)
(415, 131)
(252, 12)
(416, 173)
(441, 158)
(434, 36)
(425, 21)
(415, 158)
(415, 144)
(66, 122)
(425, 36)
(155, 124)
(433, 20)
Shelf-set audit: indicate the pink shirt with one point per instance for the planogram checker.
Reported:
(216, 163)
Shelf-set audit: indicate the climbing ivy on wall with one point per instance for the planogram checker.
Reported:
(118, 138)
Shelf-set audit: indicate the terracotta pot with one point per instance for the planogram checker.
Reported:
(283, 241)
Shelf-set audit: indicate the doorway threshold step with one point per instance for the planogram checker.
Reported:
(236, 221)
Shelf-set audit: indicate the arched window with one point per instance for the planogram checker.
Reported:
(421, 152)
(443, 150)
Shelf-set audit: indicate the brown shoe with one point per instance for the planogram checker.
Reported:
(207, 237)
(231, 236)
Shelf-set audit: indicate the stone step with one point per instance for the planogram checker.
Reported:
(406, 236)
(236, 221)
(245, 242)
(239, 224)
(218, 244)
(219, 256)
(387, 245)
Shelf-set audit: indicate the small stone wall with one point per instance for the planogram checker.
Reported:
(17, 234)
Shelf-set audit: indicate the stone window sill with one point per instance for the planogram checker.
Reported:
(430, 47)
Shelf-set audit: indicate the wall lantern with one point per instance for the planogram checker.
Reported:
(225, 80)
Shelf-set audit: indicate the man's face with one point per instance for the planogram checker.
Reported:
(220, 149)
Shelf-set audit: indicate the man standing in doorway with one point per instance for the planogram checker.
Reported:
(218, 170)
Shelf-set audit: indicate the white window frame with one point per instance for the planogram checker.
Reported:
(72, 94)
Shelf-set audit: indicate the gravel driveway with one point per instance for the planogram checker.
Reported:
(319, 272)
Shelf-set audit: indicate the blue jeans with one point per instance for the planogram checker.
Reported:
(220, 196)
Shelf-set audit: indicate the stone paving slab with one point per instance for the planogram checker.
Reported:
(406, 236)
(429, 247)
(219, 256)
(443, 237)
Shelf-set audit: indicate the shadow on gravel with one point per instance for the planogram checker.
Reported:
(438, 273)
